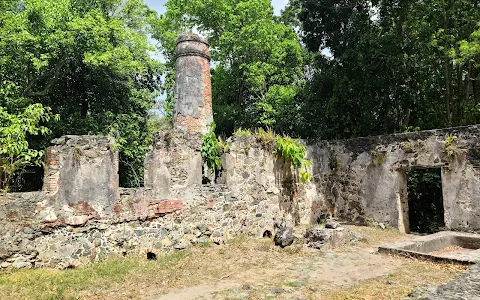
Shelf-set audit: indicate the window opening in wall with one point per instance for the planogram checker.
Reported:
(29, 180)
(130, 176)
(425, 200)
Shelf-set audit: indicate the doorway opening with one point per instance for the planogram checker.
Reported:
(425, 200)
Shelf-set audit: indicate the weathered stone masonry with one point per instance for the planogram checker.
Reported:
(364, 179)
(83, 215)
(81, 174)
(40, 230)
(193, 91)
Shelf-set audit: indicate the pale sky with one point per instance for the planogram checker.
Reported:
(158, 5)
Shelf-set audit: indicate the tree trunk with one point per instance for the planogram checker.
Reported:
(448, 95)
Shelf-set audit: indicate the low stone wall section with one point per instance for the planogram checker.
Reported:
(139, 226)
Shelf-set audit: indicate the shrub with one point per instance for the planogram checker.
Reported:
(15, 154)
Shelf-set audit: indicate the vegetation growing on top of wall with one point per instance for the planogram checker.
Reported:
(210, 149)
(281, 145)
(449, 148)
(243, 132)
(294, 152)
(378, 157)
(15, 152)
(223, 146)
(266, 138)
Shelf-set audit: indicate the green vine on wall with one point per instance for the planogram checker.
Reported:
(294, 152)
(210, 149)
(290, 149)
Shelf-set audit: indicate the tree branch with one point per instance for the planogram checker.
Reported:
(56, 72)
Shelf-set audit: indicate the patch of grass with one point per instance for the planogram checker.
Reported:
(255, 262)
(205, 244)
(295, 248)
(290, 284)
(239, 240)
(57, 284)
(54, 284)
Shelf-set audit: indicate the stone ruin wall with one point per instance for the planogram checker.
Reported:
(83, 215)
(257, 176)
(81, 176)
(363, 180)
(360, 180)
(66, 224)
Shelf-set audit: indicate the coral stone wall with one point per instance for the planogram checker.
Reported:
(359, 180)
(173, 165)
(364, 179)
(81, 175)
(140, 225)
(172, 212)
(255, 174)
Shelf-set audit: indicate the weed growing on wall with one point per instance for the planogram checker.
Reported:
(243, 132)
(378, 158)
(222, 145)
(290, 149)
(267, 138)
(449, 148)
(294, 152)
(210, 150)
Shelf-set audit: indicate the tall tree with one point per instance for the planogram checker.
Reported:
(90, 61)
(394, 65)
(257, 59)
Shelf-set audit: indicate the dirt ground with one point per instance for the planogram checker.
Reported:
(249, 268)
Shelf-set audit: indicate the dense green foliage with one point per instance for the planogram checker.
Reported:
(394, 65)
(210, 149)
(294, 153)
(257, 60)
(15, 153)
(90, 62)
(389, 66)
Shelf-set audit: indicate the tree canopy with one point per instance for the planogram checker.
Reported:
(90, 62)
(257, 59)
(396, 66)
